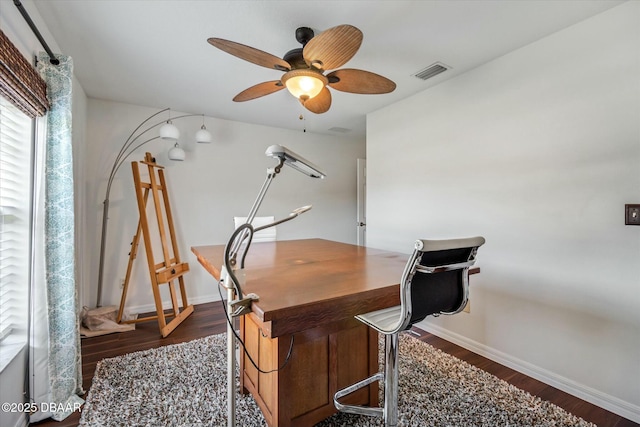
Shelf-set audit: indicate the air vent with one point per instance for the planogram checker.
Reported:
(431, 71)
(339, 129)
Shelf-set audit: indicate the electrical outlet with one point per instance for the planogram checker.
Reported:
(121, 283)
(632, 214)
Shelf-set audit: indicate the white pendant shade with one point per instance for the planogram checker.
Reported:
(304, 84)
(203, 136)
(176, 153)
(169, 132)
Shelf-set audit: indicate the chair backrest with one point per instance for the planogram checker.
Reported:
(266, 235)
(436, 278)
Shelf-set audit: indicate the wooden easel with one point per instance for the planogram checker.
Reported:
(171, 268)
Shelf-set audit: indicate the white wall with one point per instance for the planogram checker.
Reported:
(216, 182)
(538, 151)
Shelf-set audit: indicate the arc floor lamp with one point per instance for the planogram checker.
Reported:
(167, 131)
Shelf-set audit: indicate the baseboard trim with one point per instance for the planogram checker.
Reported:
(588, 394)
(148, 308)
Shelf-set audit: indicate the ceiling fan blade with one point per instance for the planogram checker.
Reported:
(360, 81)
(320, 103)
(250, 54)
(261, 89)
(332, 48)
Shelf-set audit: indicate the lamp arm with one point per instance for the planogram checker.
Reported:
(129, 142)
(105, 209)
(271, 174)
(119, 163)
(126, 143)
(292, 215)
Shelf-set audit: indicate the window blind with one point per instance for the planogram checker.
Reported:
(15, 217)
(20, 82)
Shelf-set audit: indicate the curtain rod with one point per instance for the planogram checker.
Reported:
(33, 27)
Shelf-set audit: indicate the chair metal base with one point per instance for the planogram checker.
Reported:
(389, 412)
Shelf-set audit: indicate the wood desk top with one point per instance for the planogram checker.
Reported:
(304, 283)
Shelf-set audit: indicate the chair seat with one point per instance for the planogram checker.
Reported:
(384, 321)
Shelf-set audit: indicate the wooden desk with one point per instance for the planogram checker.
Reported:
(310, 290)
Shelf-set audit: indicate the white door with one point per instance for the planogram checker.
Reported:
(361, 220)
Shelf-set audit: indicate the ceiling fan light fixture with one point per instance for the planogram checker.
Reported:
(304, 84)
(304, 68)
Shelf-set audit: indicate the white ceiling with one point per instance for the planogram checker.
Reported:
(155, 53)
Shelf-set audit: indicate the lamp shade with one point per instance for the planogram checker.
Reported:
(304, 84)
(176, 153)
(203, 136)
(169, 132)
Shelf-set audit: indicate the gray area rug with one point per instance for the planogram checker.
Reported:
(185, 385)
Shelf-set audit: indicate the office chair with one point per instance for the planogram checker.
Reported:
(266, 235)
(435, 281)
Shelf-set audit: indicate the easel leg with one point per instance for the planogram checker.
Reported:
(174, 300)
(133, 253)
(125, 288)
(183, 292)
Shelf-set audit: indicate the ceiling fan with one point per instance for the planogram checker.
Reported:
(305, 67)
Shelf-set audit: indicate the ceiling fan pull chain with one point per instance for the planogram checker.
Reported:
(304, 122)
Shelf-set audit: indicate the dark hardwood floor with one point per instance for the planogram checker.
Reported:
(208, 319)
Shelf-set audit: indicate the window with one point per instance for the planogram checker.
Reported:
(15, 224)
